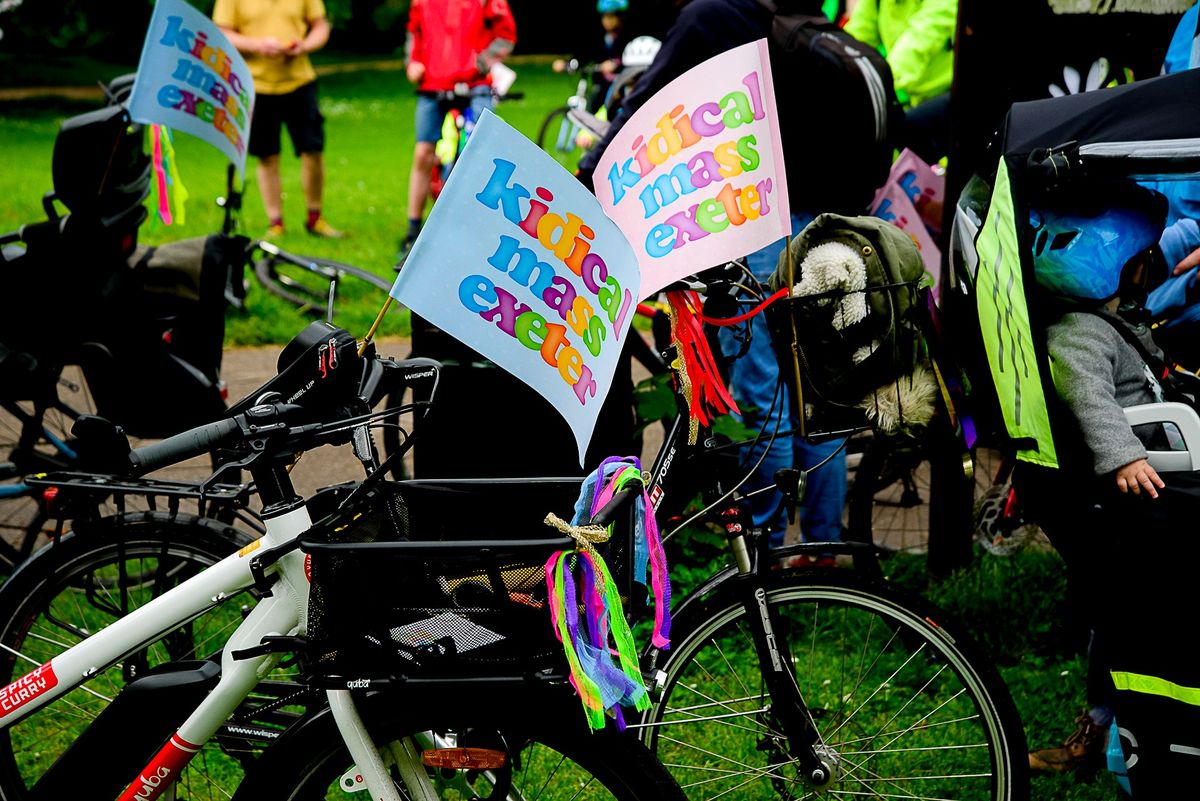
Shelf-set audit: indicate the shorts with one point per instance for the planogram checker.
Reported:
(298, 111)
(432, 111)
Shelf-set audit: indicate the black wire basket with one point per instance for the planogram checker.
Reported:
(856, 370)
(443, 579)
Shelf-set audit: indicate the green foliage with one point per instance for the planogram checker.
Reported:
(114, 29)
(695, 554)
(731, 428)
(654, 400)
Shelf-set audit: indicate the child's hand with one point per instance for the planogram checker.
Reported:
(1189, 261)
(1139, 475)
(415, 71)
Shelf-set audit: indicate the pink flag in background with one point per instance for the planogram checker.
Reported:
(912, 201)
(695, 177)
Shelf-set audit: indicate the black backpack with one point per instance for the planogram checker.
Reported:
(839, 117)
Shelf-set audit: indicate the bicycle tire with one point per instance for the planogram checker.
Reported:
(72, 587)
(301, 286)
(890, 726)
(557, 137)
(309, 760)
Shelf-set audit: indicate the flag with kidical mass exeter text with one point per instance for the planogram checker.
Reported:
(518, 261)
(695, 177)
(192, 79)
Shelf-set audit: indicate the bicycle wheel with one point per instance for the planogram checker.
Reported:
(999, 521)
(89, 579)
(305, 280)
(551, 755)
(904, 709)
(558, 136)
(888, 501)
(914, 496)
(22, 515)
(25, 522)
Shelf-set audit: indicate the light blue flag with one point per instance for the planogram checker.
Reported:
(192, 79)
(518, 261)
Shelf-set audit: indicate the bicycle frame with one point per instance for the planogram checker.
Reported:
(283, 612)
(750, 554)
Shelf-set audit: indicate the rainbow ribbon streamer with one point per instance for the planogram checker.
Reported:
(580, 580)
(601, 684)
(168, 203)
(647, 544)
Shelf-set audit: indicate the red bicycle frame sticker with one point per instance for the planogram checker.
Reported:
(27, 688)
(162, 771)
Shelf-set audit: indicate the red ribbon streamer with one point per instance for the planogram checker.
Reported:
(708, 391)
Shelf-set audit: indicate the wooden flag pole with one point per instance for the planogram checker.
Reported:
(791, 271)
(375, 326)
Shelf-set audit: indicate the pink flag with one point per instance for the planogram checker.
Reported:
(695, 177)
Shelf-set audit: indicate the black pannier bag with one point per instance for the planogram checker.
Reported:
(153, 359)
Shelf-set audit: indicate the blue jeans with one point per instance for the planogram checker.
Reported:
(753, 379)
(431, 112)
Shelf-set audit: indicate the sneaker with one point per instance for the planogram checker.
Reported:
(1082, 753)
(274, 232)
(406, 246)
(324, 230)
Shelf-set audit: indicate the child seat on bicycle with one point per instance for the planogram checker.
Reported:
(1094, 256)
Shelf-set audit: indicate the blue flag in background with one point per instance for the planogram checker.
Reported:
(518, 261)
(192, 79)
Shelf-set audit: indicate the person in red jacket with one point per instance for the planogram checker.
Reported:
(451, 46)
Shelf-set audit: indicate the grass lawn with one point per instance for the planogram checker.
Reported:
(369, 144)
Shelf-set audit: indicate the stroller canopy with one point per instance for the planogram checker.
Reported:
(1146, 129)
(1139, 129)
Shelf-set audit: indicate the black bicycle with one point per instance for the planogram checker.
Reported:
(307, 282)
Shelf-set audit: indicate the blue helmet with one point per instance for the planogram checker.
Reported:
(1081, 254)
(612, 6)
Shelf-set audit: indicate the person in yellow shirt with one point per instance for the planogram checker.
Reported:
(276, 36)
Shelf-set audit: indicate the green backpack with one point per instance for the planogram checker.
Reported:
(855, 317)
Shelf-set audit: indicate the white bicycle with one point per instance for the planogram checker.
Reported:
(465, 700)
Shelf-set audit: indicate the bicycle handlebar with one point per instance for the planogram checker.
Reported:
(196, 442)
(618, 501)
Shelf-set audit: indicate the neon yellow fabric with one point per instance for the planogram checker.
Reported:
(916, 37)
(1007, 335)
(447, 147)
(179, 193)
(1153, 685)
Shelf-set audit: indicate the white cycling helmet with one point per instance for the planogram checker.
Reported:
(640, 52)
